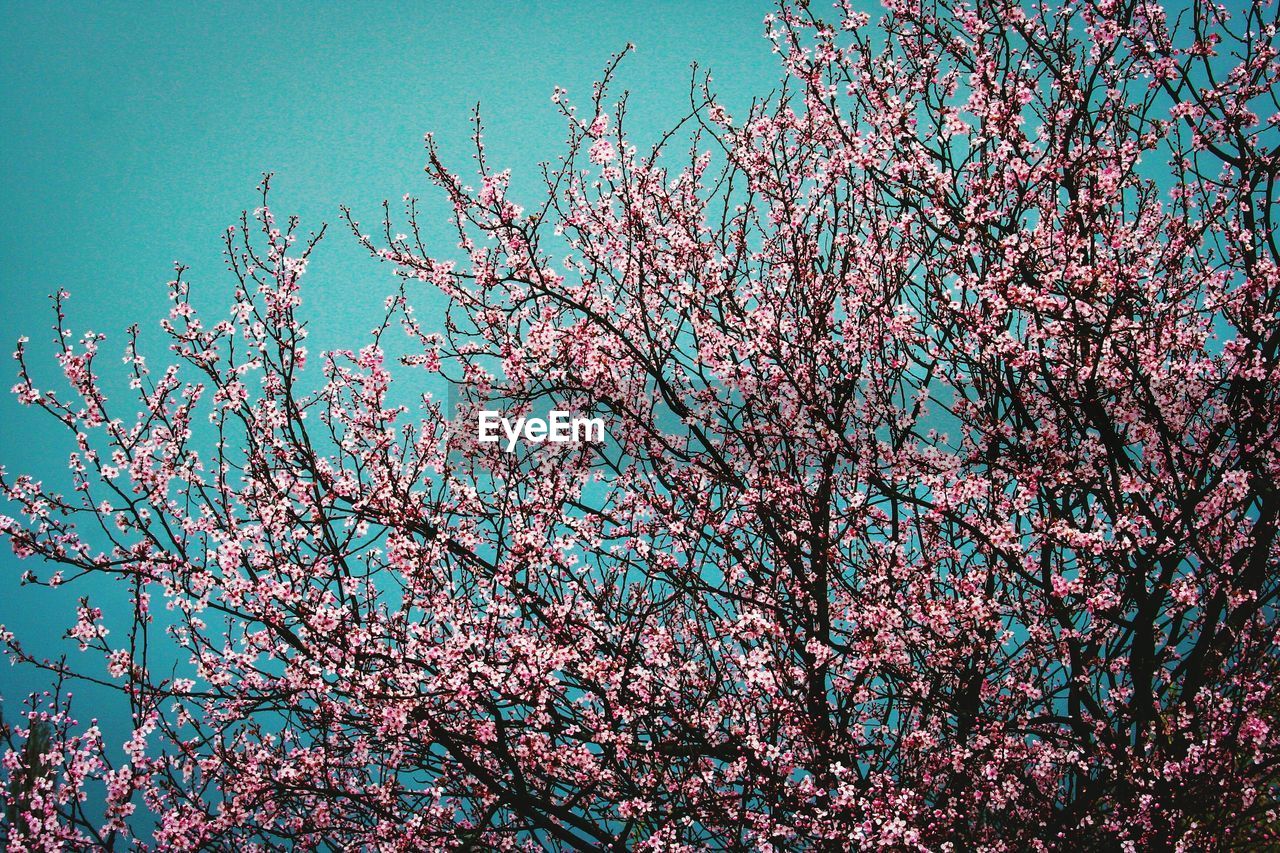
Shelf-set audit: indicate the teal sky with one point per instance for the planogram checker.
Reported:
(132, 134)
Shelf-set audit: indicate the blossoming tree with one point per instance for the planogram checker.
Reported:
(938, 507)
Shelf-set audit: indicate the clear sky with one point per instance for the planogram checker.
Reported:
(132, 134)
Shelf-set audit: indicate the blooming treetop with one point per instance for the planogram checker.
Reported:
(937, 511)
